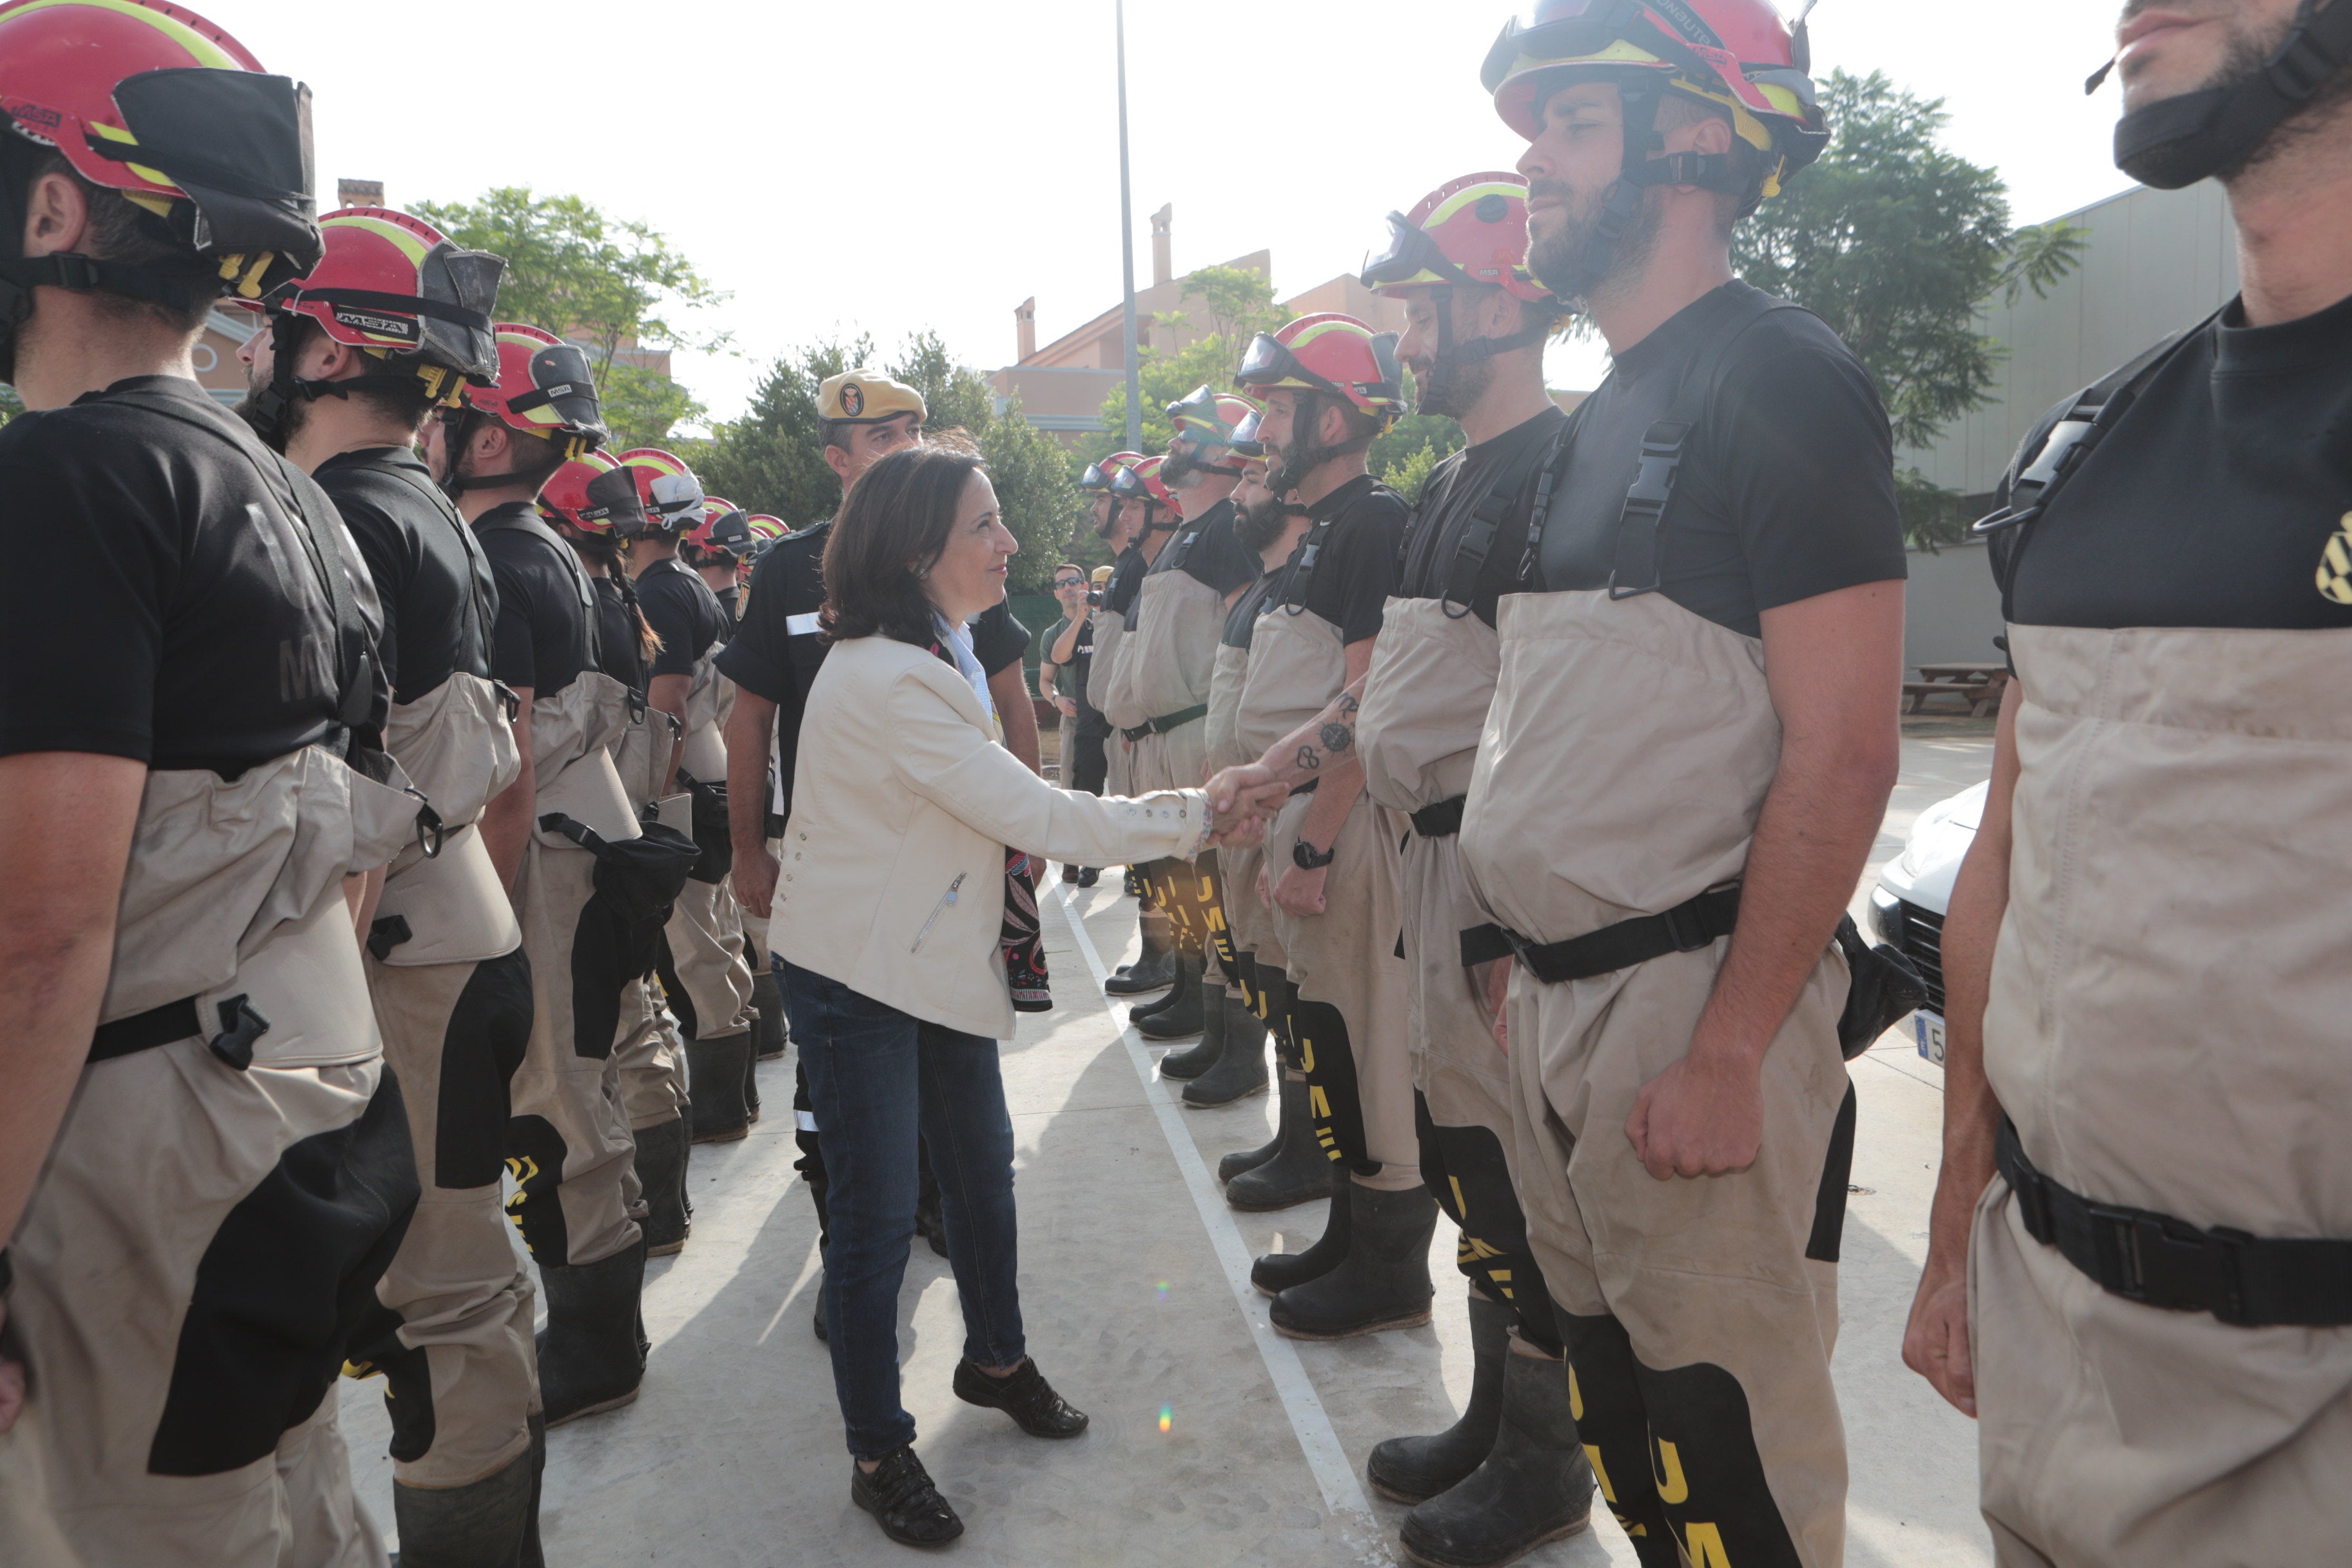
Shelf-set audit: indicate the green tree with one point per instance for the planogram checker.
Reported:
(772, 460)
(606, 283)
(1896, 243)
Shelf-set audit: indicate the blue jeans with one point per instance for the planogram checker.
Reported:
(880, 1080)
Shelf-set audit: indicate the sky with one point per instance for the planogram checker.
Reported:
(934, 162)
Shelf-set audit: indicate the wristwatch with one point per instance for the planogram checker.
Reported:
(1304, 856)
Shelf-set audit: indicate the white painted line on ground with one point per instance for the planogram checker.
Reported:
(1343, 1495)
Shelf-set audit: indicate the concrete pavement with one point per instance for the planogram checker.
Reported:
(1214, 1442)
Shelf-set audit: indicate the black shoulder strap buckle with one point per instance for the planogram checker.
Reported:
(1636, 568)
(1477, 540)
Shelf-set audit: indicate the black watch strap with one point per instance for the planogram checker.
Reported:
(1308, 859)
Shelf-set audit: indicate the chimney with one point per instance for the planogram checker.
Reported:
(1024, 325)
(359, 193)
(1163, 247)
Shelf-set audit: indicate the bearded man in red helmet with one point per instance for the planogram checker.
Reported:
(204, 1166)
(591, 889)
(391, 324)
(1686, 759)
(1509, 1474)
(1330, 385)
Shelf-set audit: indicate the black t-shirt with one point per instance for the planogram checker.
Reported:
(1209, 551)
(1346, 566)
(1786, 489)
(1072, 682)
(1456, 489)
(683, 612)
(775, 651)
(2222, 498)
(543, 638)
(1127, 575)
(619, 653)
(161, 603)
(1241, 621)
(430, 574)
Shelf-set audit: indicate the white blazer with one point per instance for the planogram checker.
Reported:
(903, 803)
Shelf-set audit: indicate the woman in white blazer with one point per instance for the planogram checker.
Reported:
(888, 919)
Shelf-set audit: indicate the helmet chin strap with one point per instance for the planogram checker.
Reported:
(1452, 356)
(2196, 135)
(1621, 204)
(270, 411)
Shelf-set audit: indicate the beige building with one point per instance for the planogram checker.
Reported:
(1061, 386)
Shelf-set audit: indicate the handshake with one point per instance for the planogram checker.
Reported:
(1241, 801)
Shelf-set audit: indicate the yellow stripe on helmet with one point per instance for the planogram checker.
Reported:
(415, 249)
(205, 51)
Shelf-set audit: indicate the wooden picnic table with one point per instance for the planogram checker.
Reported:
(1980, 683)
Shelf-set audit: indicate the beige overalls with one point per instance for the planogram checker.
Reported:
(453, 999)
(706, 928)
(1170, 659)
(1425, 701)
(1246, 917)
(1624, 761)
(572, 1153)
(1345, 959)
(185, 1269)
(1106, 690)
(649, 1055)
(2171, 999)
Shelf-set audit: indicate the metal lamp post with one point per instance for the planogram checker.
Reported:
(1127, 249)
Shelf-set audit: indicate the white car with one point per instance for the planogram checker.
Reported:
(1914, 892)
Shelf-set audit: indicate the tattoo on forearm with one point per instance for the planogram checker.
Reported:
(1348, 704)
(1338, 737)
(1309, 758)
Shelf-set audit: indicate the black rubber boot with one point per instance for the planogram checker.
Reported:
(1241, 1160)
(822, 1333)
(1195, 1013)
(591, 1354)
(715, 1072)
(1240, 1071)
(1414, 1469)
(1299, 1172)
(752, 1076)
(1278, 1271)
(1535, 1485)
(1154, 968)
(487, 1523)
(770, 1030)
(1382, 1283)
(661, 1171)
(1180, 1014)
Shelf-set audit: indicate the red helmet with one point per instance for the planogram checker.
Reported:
(1097, 480)
(1140, 481)
(393, 287)
(765, 531)
(544, 388)
(672, 495)
(1735, 54)
(594, 494)
(724, 526)
(1205, 421)
(1331, 354)
(1470, 231)
(393, 284)
(153, 100)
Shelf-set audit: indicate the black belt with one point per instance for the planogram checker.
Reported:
(1442, 820)
(1167, 721)
(2160, 1262)
(241, 1025)
(1685, 928)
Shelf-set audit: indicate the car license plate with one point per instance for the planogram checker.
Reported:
(1930, 1028)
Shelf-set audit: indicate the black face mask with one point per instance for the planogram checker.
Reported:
(2218, 130)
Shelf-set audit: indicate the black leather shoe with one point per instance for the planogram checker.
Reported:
(1026, 1397)
(1089, 875)
(1069, 871)
(903, 1501)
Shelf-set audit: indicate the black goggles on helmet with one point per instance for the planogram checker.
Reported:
(731, 532)
(1574, 30)
(559, 380)
(1198, 409)
(1271, 363)
(1411, 252)
(1247, 445)
(613, 499)
(1096, 479)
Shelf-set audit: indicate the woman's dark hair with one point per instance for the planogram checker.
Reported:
(893, 525)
